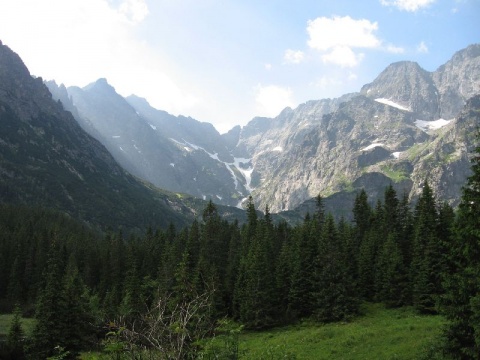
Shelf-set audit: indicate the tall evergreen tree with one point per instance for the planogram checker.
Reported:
(461, 302)
(50, 311)
(335, 297)
(78, 328)
(427, 255)
(305, 251)
(16, 335)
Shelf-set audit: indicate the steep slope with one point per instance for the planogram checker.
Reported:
(46, 159)
(458, 80)
(175, 153)
(401, 126)
(343, 146)
(395, 126)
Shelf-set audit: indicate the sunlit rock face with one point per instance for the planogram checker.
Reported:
(404, 126)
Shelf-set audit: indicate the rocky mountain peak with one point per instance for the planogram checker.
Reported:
(47, 160)
(28, 96)
(405, 83)
(101, 83)
(458, 80)
(469, 53)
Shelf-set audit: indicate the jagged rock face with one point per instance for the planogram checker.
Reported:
(179, 154)
(445, 161)
(394, 126)
(458, 80)
(360, 136)
(400, 127)
(47, 160)
(408, 85)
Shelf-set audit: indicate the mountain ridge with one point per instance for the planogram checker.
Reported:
(48, 160)
(321, 147)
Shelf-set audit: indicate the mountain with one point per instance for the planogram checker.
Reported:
(175, 153)
(402, 128)
(48, 160)
(403, 125)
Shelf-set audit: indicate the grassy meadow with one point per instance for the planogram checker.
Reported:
(378, 334)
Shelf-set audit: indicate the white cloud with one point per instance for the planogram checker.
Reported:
(342, 56)
(268, 66)
(293, 56)
(408, 5)
(395, 49)
(328, 33)
(337, 36)
(79, 41)
(134, 10)
(422, 48)
(272, 99)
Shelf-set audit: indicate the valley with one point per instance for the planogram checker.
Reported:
(128, 232)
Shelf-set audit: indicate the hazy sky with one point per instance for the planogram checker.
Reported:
(225, 61)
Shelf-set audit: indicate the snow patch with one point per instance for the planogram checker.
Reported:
(116, 136)
(374, 145)
(218, 197)
(172, 164)
(396, 154)
(247, 173)
(213, 156)
(153, 126)
(432, 125)
(278, 148)
(392, 103)
(121, 148)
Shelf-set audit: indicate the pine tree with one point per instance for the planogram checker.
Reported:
(305, 251)
(392, 276)
(427, 254)
(461, 302)
(248, 234)
(16, 335)
(335, 297)
(50, 312)
(257, 309)
(78, 322)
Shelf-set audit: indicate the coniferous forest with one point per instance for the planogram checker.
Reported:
(162, 291)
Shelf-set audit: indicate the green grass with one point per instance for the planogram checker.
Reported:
(379, 334)
(395, 175)
(6, 320)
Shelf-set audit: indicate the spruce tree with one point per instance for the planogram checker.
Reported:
(305, 251)
(257, 309)
(334, 290)
(78, 328)
(461, 302)
(50, 311)
(16, 335)
(427, 255)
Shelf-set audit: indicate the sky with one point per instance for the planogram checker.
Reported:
(225, 61)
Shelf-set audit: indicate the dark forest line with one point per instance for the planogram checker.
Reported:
(261, 274)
